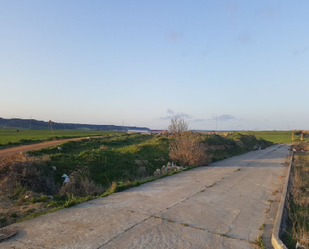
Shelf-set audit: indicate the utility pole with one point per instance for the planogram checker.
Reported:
(30, 122)
(50, 122)
(216, 124)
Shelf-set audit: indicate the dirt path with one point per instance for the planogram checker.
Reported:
(24, 148)
(223, 205)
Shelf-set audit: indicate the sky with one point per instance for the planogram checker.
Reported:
(219, 64)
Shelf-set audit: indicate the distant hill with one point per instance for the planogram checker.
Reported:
(33, 124)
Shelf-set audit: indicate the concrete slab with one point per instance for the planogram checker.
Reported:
(237, 205)
(157, 233)
(84, 226)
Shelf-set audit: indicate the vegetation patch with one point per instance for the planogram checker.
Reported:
(281, 137)
(298, 201)
(259, 242)
(10, 138)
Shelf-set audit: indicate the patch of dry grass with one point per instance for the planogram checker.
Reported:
(80, 185)
(298, 203)
(188, 150)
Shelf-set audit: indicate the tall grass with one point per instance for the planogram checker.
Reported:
(298, 203)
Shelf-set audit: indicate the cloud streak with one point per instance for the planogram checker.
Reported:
(173, 115)
(224, 117)
(269, 12)
(174, 36)
(244, 37)
(169, 111)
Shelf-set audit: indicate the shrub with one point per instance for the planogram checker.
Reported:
(188, 150)
(21, 172)
(80, 185)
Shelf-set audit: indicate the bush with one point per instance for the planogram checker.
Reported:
(20, 172)
(188, 150)
(80, 185)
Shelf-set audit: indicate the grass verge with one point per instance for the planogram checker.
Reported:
(298, 201)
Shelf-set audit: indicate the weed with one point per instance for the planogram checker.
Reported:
(225, 235)
(209, 186)
(259, 242)
(184, 224)
(3, 221)
(30, 211)
(13, 215)
(262, 227)
(43, 198)
(18, 192)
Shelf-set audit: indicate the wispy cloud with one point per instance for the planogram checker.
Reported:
(170, 111)
(231, 8)
(269, 12)
(244, 37)
(299, 52)
(224, 117)
(199, 120)
(174, 36)
(174, 114)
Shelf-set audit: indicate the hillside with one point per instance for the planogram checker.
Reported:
(17, 123)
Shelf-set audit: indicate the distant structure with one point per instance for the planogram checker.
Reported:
(156, 131)
(138, 131)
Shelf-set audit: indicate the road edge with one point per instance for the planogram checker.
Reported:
(275, 239)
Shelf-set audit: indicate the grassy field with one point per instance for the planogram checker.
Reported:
(277, 136)
(298, 201)
(10, 138)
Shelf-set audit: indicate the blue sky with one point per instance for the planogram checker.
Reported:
(242, 63)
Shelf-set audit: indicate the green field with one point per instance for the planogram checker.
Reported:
(9, 138)
(277, 136)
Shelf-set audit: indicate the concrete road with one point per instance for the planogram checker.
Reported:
(219, 206)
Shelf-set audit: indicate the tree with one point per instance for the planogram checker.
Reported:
(178, 126)
(187, 148)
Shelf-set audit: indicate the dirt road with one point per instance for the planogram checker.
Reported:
(223, 205)
(24, 148)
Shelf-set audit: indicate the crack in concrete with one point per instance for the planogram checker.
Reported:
(202, 190)
(128, 229)
(153, 216)
(202, 229)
